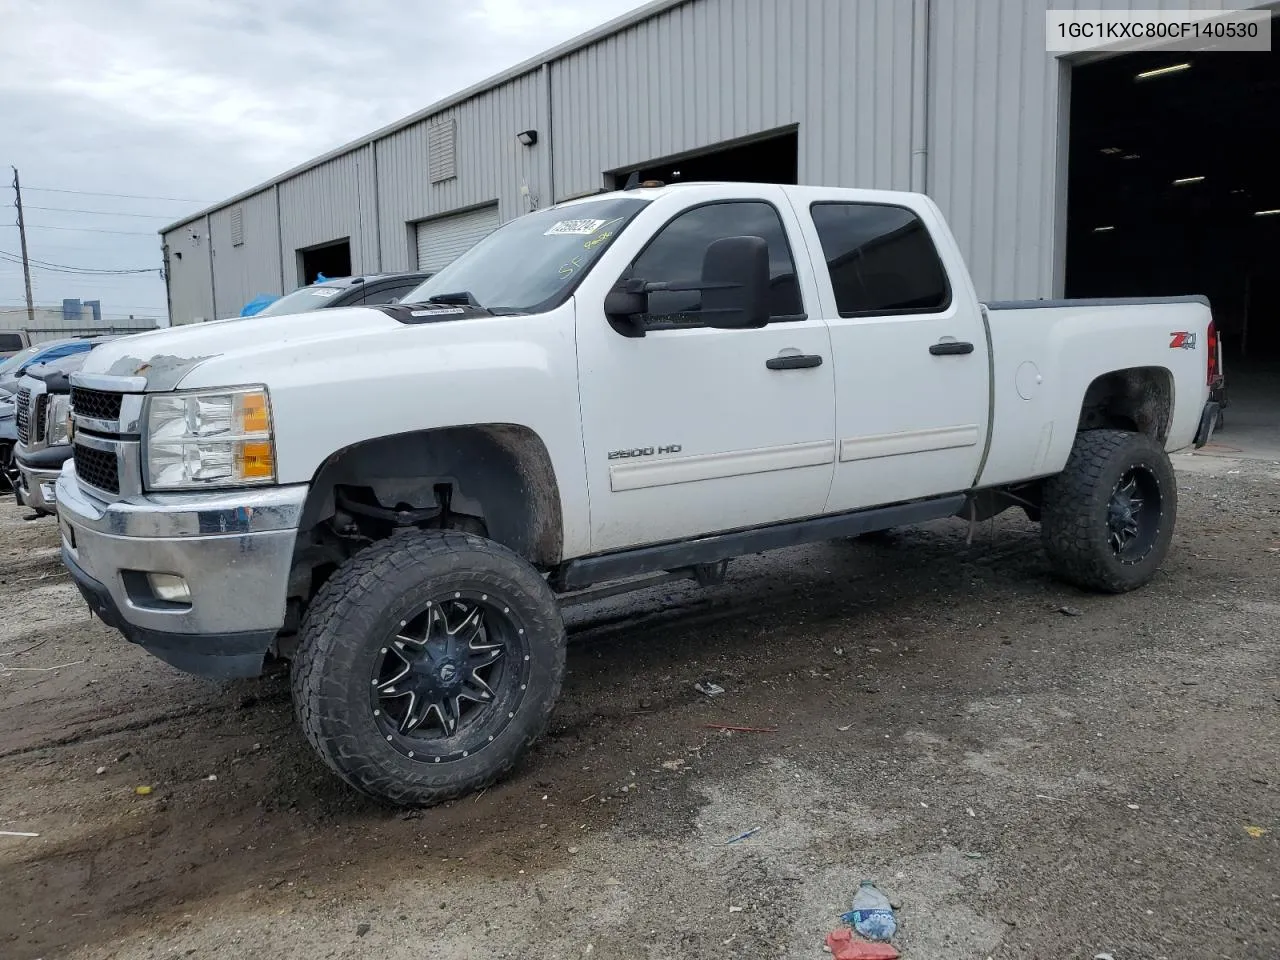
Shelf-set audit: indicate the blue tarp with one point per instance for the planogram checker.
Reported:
(260, 302)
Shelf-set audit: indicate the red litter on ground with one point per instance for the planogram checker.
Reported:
(844, 947)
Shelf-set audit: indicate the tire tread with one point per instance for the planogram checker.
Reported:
(1072, 499)
(342, 598)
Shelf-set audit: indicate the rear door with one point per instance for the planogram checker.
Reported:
(909, 345)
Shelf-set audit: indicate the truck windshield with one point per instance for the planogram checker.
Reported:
(301, 300)
(535, 262)
(18, 359)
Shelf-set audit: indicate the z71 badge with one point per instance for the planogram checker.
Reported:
(643, 452)
(1184, 340)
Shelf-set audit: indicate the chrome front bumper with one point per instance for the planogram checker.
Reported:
(234, 550)
(36, 489)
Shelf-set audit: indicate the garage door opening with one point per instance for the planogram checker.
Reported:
(442, 240)
(1174, 188)
(331, 260)
(769, 159)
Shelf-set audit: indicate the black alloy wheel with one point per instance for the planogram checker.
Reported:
(448, 680)
(1133, 514)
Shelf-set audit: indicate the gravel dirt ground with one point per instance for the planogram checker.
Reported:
(1027, 770)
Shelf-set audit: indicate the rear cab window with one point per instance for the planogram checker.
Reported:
(881, 259)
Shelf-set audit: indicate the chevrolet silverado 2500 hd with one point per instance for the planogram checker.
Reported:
(632, 386)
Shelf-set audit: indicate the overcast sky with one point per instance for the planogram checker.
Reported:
(199, 99)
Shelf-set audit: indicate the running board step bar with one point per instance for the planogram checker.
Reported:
(679, 560)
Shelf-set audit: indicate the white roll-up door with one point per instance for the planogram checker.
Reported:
(444, 239)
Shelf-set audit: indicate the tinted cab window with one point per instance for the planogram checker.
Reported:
(881, 260)
(389, 292)
(675, 254)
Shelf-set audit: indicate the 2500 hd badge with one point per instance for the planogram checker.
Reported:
(643, 452)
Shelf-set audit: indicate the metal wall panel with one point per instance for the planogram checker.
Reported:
(242, 271)
(998, 137)
(190, 279)
(327, 203)
(492, 165)
(716, 70)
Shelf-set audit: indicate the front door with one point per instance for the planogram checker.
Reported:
(690, 430)
(911, 363)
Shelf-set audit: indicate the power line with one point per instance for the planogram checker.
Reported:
(48, 263)
(104, 213)
(122, 196)
(77, 271)
(125, 233)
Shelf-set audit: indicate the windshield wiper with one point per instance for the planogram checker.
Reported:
(463, 298)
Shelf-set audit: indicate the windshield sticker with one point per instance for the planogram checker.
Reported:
(442, 311)
(325, 293)
(575, 228)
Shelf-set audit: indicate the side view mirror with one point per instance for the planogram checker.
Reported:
(734, 286)
(735, 283)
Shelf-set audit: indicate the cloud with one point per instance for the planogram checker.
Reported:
(187, 98)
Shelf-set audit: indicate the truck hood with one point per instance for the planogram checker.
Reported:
(164, 357)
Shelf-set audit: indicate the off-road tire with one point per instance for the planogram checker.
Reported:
(1076, 505)
(346, 630)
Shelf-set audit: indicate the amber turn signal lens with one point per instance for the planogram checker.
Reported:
(253, 413)
(255, 460)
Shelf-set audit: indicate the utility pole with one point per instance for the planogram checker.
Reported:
(22, 236)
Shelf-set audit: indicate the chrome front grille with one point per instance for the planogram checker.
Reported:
(96, 404)
(106, 453)
(39, 407)
(29, 410)
(97, 468)
(22, 415)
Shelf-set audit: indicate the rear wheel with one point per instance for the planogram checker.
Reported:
(1108, 518)
(427, 666)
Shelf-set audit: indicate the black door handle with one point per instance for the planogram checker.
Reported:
(794, 361)
(951, 348)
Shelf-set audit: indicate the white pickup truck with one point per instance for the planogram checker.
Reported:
(637, 385)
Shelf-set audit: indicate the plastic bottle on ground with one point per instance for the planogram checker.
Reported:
(871, 916)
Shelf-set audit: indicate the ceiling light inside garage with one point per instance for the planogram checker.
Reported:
(1105, 229)
(1163, 71)
(1110, 150)
(1131, 156)
(1266, 213)
(1183, 181)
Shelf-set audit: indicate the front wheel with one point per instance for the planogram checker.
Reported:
(427, 666)
(1108, 518)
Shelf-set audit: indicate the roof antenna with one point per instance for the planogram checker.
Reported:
(633, 181)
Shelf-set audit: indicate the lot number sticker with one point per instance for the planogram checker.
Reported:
(575, 228)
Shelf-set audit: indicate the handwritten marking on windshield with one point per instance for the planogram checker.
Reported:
(568, 269)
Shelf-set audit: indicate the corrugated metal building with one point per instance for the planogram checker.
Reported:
(956, 98)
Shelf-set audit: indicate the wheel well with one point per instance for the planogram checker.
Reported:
(490, 478)
(1137, 398)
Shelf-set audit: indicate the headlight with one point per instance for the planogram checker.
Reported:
(209, 438)
(57, 429)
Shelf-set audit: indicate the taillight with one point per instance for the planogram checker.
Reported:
(1212, 371)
